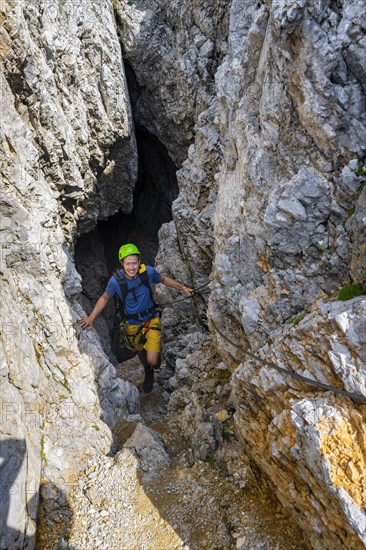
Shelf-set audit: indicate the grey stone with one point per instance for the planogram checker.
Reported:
(149, 448)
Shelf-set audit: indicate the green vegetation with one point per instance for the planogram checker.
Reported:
(351, 211)
(350, 291)
(26, 298)
(295, 319)
(361, 171)
(58, 379)
(41, 451)
(298, 319)
(96, 427)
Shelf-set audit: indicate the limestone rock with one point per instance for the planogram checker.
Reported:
(262, 108)
(163, 101)
(148, 446)
(319, 433)
(202, 431)
(68, 157)
(72, 96)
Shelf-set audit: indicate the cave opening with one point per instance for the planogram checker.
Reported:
(155, 191)
(96, 252)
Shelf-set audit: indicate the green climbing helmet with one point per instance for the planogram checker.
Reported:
(128, 250)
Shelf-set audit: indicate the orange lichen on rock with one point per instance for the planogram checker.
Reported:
(264, 264)
(344, 447)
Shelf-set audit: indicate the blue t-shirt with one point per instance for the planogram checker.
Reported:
(137, 300)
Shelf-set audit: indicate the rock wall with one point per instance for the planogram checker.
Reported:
(272, 209)
(173, 49)
(68, 157)
(289, 200)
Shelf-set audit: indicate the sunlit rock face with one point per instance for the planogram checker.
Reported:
(67, 156)
(289, 211)
(64, 68)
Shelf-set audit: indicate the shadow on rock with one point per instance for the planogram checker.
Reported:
(55, 518)
(15, 532)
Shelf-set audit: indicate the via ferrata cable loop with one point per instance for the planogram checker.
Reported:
(187, 297)
(355, 397)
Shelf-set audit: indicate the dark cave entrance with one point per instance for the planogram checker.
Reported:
(96, 253)
(154, 194)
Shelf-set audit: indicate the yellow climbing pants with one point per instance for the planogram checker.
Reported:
(134, 333)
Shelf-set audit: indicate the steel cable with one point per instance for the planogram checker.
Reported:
(355, 397)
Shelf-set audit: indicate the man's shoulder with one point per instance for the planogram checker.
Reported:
(119, 271)
(148, 274)
(117, 275)
(152, 271)
(113, 285)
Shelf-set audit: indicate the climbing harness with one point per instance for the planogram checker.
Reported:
(355, 397)
(138, 339)
(142, 332)
(125, 339)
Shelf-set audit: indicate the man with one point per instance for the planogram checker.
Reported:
(134, 289)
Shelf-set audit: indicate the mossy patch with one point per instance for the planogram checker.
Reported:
(350, 291)
(295, 320)
(41, 450)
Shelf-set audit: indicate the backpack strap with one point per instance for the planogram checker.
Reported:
(144, 278)
(121, 280)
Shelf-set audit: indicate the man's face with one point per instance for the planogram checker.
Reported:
(131, 266)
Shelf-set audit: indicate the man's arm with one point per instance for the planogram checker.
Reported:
(87, 322)
(171, 283)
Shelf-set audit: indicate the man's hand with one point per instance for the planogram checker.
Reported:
(187, 290)
(86, 322)
(171, 283)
